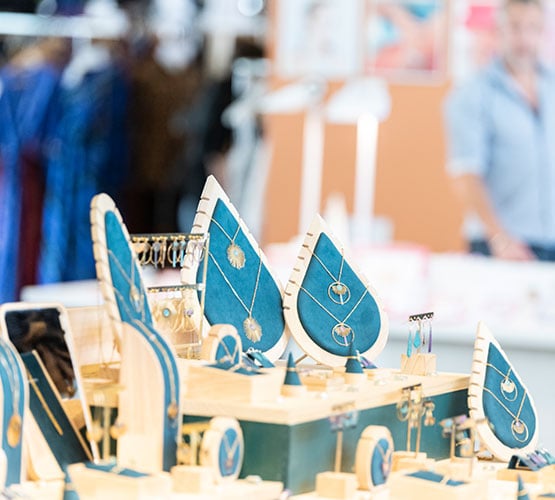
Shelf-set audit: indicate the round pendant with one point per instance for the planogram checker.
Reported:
(508, 389)
(96, 432)
(343, 334)
(339, 292)
(236, 256)
(14, 430)
(519, 430)
(117, 430)
(229, 463)
(252, 329)
(173, 410)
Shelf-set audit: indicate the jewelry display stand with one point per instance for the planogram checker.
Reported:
(374, 457)
(329, 305)
(178, 316)
(419, 359)
(15, 402)
(499, 402)
(240, 287)
(149, 404)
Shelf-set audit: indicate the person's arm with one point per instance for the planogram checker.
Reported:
(474, 196)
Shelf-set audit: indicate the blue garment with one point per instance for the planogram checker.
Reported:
(88, 156)
(495, 133)
(27, 108)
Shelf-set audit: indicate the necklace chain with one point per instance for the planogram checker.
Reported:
(134, 290)
(235, 350)
(329, 312)
(504, 375)
(231, 240)
(338, 279)
(517, 416)
(230, 449)
(11, 372)
(237, 296)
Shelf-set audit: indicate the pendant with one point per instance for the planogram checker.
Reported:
(386, 464)
(184, 454)
(236, 256)
(173, 410)
(508, 387)
(117, 430)
(14, 430)
(252, 329)
(343, 334)
(96, 432)
(229, 463)
(339, 292)
(518, 429)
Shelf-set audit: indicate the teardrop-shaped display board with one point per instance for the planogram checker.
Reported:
(499, 402)
(329, 305)
(125, 296)
(240, 287)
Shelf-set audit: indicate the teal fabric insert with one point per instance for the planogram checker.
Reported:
(114, 469)
(497, 416)
(259, 357)
(229, 453)
(378, 476)
(221, 305)
(66, 448)
(226, 365)
(318, 324)
(546, 495)
(436, 478)
(117, 243)
(227, 348)
(13, 455)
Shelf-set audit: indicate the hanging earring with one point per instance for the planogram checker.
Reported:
(173, 254)
(117, 429)
(96, 432)
(403, 407)
(409, 342)
(417, 336)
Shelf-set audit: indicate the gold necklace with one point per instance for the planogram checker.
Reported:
(518, 427)
(338, 291)
(342, 333)
(173, 408)
(386, 459)
(251, 327)
(230, 449)
(44, 404)
(235, 254)
(134, 292)
(13, 433)
(507, 386)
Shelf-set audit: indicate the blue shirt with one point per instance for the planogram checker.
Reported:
(493, 132)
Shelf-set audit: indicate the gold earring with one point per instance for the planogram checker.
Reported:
(429, 418)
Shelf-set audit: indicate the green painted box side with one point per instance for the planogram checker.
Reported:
(294, 454)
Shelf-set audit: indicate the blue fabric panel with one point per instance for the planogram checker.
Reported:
(13, 455)
(377, 472)
(436, 478)
(221, 305)
(229, 467)
(497, 416)
(66, 448)
(226, 365)
(112, 468)
(117, 243)
(318, 324)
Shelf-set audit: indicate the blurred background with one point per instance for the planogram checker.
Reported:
(297, 107)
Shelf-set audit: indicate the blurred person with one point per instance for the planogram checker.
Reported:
(500, 150)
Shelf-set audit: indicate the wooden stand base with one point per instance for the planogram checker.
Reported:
(340, 485)
(93, 484)
(52, 490)
(192, 479)
(355, 378)
(402, 486)
(212, 383)
(528, 476)
(293, 391)
(408, 460)
(418, 364)
(459, 469)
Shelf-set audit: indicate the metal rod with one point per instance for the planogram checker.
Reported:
(338, 450)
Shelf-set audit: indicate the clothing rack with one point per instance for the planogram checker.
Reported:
(108, 28)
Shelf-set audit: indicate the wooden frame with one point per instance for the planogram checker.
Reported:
(366, 446)
(212, 341)
(210, 195)
(291, 313)
(475, 397)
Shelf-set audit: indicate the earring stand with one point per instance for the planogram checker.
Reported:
(409, 459)
(174, 251)
(420, 362)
